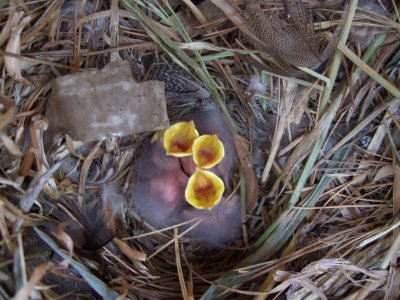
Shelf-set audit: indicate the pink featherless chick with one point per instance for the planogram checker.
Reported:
(220, 224)
(213, 122)
(158, 191)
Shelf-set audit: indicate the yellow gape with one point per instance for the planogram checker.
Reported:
(179, 138)
(204, 189)
(208, 151)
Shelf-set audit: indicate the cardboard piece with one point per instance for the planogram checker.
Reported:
(104, 103)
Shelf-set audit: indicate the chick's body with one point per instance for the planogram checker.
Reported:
(159, 191)
(159, 185)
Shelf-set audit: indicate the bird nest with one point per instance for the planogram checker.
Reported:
(309, 90)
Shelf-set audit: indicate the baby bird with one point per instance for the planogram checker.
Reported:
(159, 186)
(218, 226)
(213, 122)
(161, 179)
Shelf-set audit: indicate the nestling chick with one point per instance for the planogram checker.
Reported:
(213, 122)
(159, 188)
(219, 226)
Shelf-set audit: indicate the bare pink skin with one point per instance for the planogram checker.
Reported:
(188, 165)
(160, 187)
(219, 226)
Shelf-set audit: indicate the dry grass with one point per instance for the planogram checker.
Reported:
(324, 223)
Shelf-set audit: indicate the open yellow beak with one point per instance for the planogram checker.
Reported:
(179, 138)
(208, 151)
(204, 189)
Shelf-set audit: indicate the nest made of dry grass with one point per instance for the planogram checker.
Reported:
(325, 222)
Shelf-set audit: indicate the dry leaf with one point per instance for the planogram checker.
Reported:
(5, 234)
(133, 254)
(396, 189)
(7, 118)
(246, 168)
(68, 243)
(362, 92)
(285, 108)
(305, 145)
(35, 187)
(36, 129)
(12, 64)
(12, 21)
(85, 170)
(383, 172)
(10, 145)
(181, 276)
(6, 101)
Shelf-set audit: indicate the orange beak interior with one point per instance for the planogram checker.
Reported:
(179, 138)
(204, 189)
(208, 151)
